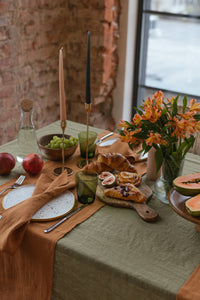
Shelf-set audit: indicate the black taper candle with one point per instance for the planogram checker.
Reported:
(87, 91)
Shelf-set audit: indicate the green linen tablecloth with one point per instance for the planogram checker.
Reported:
(115, 255)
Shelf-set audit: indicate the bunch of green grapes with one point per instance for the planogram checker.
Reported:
(56, 142)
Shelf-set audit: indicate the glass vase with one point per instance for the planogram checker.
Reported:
(169, 171)
(27, 139)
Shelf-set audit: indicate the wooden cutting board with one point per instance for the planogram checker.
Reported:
(144, 211)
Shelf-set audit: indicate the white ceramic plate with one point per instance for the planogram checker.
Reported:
(108, 142)
(56, 208)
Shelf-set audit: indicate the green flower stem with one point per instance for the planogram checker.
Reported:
(170, 170)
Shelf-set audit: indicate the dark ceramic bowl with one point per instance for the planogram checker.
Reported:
(54, 154)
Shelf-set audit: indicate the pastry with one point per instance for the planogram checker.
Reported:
(97, 167)
(126, 191)
(116, 161)
(128, 177)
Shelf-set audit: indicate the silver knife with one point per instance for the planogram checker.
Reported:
(64, 219)
(108, 142)
(104, 137)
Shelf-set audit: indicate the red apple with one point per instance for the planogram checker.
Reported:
(7, 163)
(33, 163)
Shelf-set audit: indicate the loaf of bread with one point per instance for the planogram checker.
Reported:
(126, 191)
(97, 166)
(128, 177)
(116, 161)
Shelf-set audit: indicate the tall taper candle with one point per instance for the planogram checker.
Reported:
(62, 89)
(87, 91)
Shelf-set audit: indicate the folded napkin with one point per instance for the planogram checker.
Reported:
(190, 290)
(15, 220)
(119, 146)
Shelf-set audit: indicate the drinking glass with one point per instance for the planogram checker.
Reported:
(92, 138)
(86, 184)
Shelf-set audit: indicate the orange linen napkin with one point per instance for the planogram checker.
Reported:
(190, 290)
(118, 146)
(15, 220)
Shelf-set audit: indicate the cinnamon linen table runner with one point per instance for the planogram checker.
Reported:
(27, 253)
(191, 289)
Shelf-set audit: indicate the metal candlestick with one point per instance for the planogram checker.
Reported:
(88, 108)
(86, 161)
(59, 170)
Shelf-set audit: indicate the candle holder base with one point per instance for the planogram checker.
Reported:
(59, 170)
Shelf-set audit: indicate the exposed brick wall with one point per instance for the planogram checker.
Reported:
(31, 34)
(103, 103)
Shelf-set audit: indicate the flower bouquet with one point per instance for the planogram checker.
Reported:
(160, 124)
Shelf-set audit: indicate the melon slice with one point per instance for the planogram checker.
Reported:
(193, 205)
(188, 185)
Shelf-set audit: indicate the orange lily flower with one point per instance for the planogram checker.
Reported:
(123, 124)
(197, 126)
(187, 115)
(170, 100)
(194, 106)
(155, 138)
(136, 119)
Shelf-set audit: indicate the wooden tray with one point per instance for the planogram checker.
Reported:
(177, 202)
(143, 210)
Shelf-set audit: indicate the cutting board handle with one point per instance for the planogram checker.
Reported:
(144, 211)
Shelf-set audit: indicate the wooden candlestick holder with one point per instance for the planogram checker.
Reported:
(63, 126)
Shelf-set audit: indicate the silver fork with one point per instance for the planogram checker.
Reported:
(17, 183)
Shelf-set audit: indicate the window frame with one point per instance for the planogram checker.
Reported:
(141, 51)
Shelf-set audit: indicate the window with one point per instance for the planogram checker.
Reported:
(167, 49)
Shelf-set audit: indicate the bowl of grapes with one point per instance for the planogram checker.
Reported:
(51, 146)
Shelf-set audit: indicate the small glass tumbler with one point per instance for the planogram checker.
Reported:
(92, 138)
(86, 185)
